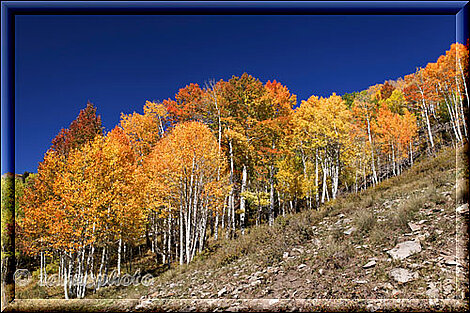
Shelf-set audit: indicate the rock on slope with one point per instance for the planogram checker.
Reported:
(399, 240)
(402, 240)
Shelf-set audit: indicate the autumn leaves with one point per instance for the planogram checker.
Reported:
(214, 160)
(438, 91)
(186, 180)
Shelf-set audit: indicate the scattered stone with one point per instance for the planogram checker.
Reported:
(422, 237)
(369, 264)
(414, 227)
(222, 292)
(462, 209)
(316, 241)
(432, 291)
(320, 271)
(301, 266)
(299, 250)
(285, 255)
(350, 231)
(402, 275)
(237, 290)
(144, 305)
(438, 231)
(448, 289)
(361, 281)
(450, 262)
(403, 250)
(341, 215)
(422, 221)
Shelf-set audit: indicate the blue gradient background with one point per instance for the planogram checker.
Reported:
(118, 62)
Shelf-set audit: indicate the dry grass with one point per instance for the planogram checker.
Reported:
(416, 189)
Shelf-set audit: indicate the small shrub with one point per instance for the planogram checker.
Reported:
(302, 229)
(52, 268)
(34, 292)
(364, 220)
(400, 217)
(282, 221)
(331, 247)
(462, 192)
(434, 196)
(337, 234)
(414, 204)
(438, 180)
(378, 234)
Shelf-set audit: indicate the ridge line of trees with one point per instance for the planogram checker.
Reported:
(219, 158)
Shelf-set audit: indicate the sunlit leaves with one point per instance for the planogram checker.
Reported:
(186, 159)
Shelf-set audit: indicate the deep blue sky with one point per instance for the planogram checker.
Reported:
(118, 62)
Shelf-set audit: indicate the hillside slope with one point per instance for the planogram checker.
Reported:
(321, 254)
(343, 251)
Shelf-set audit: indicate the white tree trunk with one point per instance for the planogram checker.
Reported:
(164, 243)
(169, 239)
(324, 184)
(304, 167)
(452, 120)
(100, 273)
(66, 275)
(316, 179)
(216, 226)
(41, 266)
(374, 173)
(187, 237)
(464, 82)
(242, 200)
(271, 196)
(411, 152)
(335, 179)
(181, 236)
(231, 208)
(426, 116)
(119, 257)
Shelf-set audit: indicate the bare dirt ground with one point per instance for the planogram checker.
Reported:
(338, 258)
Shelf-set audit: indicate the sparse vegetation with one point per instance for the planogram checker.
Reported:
(177, 192)
(311, 249)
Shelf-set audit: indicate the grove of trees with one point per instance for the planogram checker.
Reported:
(221, 157)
